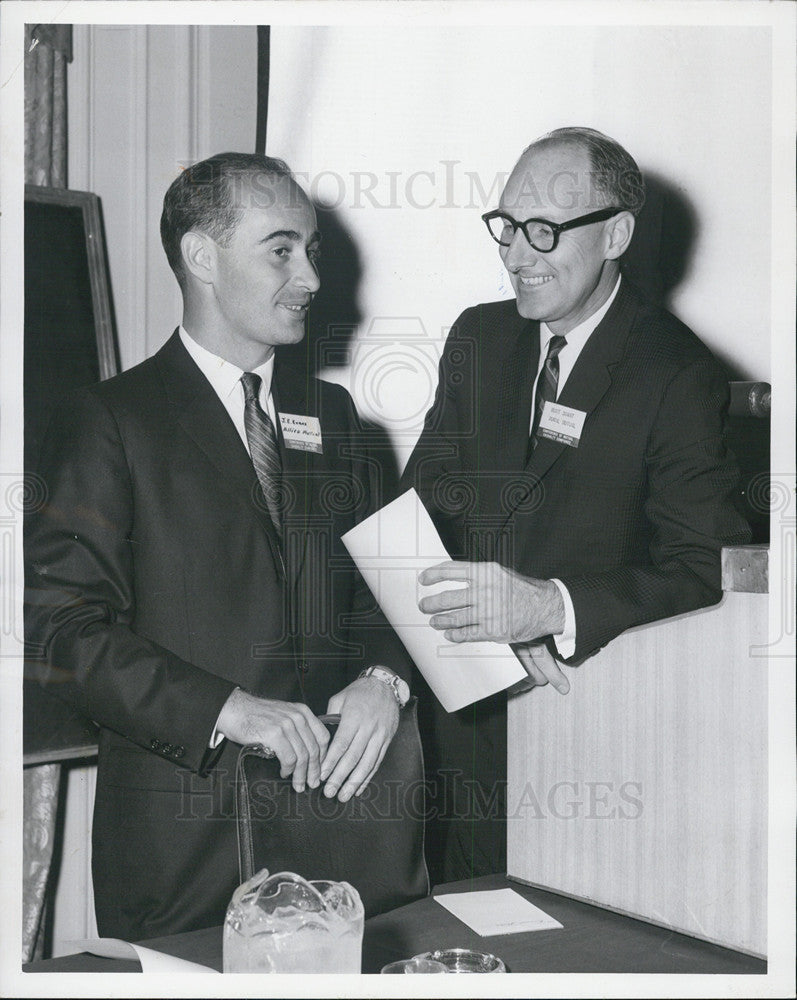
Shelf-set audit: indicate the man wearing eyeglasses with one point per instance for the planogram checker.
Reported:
(573, 462)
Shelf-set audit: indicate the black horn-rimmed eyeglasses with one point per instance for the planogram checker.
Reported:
(540, 233)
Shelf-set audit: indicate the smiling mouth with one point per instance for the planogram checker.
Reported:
(535, 280)
(295, 307)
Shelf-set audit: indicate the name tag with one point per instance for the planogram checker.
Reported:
(561, 423)
(301, 433)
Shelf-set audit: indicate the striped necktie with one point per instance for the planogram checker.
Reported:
(263, 448)
(547, 386)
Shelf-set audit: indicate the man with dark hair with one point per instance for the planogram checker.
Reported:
(187, 578)
(209, 197)
(573, 461)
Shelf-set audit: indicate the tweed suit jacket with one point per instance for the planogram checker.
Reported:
(633, 518)
(155, 586)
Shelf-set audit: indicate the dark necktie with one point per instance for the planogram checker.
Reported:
(263, 447)
(547, 385)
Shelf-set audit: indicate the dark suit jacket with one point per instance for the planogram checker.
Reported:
(633, 519)
(155, 587)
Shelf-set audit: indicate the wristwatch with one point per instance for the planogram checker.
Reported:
(398, 686)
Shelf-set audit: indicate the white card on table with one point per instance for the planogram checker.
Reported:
(496, 911)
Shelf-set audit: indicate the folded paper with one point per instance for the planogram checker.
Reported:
(390, 548)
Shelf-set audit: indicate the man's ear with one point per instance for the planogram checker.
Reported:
(199, 256)
(619, 231)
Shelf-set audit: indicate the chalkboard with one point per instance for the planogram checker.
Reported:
(69, 334)
(69, 343)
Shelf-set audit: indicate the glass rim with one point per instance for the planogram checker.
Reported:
(556, 227)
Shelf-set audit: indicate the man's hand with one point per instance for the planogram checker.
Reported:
(291, 730)
(369, 716)
(541, 667)
(497, 605)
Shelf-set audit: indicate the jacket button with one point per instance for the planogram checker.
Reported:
(179, 751)
(155, 744)
(166, 748)
(304, 666)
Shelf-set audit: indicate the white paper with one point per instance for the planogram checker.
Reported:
(390, 548)
(151, 961)
(496, 911)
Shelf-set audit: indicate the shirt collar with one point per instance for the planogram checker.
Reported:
(222, 375)
(579, 335)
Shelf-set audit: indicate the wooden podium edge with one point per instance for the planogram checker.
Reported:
(635, 916)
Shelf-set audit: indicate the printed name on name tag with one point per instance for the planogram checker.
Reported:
(561, 423)
(301, 433)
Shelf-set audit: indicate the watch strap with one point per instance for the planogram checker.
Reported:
(393, 681)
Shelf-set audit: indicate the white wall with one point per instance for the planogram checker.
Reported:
(144, 101)
(407, 133)
(361, 109)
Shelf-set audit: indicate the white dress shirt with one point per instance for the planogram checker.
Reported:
(225, 378)
(576, 339)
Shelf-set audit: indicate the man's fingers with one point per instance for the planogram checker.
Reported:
(446, 600)
(363, 767)
(316, 737)
(291, 730)
(468, 633)
(454, 619)
(336, 749)
(316, 726)
(543, 668)
(449, 570)
(307, 754)
(550, 668)
(374, 769)
(346, 764)
(313, 737)
(369, 717)
(299, 744)
(292, 753)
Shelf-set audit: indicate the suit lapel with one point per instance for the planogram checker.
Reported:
(201, 415)
(591, 375)
(299, 468)
(506, 356)
(513, 399)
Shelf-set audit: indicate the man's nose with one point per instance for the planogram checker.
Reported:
(519, 252)
(306, 275)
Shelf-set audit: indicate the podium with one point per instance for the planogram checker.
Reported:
(644, 790)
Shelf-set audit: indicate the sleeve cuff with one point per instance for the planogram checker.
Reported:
(216, 738)
(565, 642)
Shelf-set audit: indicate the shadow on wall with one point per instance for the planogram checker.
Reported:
(335, 316)
(659, 258)
(661, 252)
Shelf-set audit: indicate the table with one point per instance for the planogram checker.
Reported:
(591, 940)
